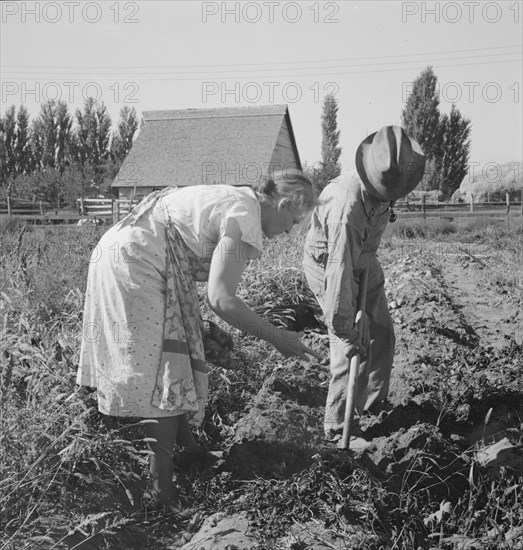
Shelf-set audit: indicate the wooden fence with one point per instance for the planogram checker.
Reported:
(432, 207)
(23, 207)
(42, 212)
(112, 209)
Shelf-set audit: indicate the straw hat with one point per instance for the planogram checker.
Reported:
(390, 163)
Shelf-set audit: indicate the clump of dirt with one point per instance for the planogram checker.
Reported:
(252, 459)
(288, 406)
(222, 532)
(300, 381)
(273, 419)
(423, 455)
(283, 422)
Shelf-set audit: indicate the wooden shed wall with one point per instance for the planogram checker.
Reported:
(283, 156)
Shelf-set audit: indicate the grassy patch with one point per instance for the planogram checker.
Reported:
(474, 229)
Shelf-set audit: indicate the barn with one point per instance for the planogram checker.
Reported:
(233, 145)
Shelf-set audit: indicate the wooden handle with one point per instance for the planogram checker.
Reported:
(354, 366)
(351, 400)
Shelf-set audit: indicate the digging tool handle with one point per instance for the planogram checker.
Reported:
(354, 366)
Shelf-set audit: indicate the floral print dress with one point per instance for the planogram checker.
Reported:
(142, 343)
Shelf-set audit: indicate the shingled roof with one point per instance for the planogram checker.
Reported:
(195, 146)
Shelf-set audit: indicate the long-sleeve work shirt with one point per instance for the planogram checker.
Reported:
(345, 232)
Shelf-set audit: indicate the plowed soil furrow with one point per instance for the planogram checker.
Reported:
(494, 316)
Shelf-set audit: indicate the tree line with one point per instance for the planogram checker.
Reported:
(60, 156)
(445, 139)
(63, 156)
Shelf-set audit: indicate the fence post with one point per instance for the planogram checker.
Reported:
(423, 206)
(41, 208)
(471, 202)
(507, 200)
(9, 205)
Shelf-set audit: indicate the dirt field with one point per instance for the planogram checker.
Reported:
(444, 468)
(453, 432)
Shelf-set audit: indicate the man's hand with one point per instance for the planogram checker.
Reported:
(354, 348)
(361, 339)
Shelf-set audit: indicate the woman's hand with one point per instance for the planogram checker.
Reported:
(227, 266)
(288, 343)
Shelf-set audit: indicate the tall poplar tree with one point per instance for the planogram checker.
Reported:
(44, 137)
(3, 155)
(91, 141)
(124, 134)
(330, 149)
(420, 117)
(64, 123)
(452, 166)
(93, 132)
(8, 151)
(23, 146)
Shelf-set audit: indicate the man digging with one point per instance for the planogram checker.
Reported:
(346, 229)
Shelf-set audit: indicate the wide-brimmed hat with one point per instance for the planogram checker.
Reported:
(390, 163)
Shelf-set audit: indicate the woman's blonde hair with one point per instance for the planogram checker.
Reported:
(290, 186)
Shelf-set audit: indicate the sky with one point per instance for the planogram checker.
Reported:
(155, 55)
